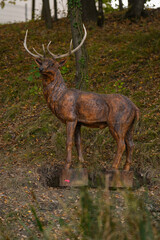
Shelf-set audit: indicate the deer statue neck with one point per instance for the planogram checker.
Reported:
(53, 78)
(53, 87)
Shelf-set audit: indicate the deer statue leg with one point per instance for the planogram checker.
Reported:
(129, 148)
(120, 148)
(78, 142)
(70, 133)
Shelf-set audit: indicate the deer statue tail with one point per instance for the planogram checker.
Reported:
(137, 114)
(137, 118)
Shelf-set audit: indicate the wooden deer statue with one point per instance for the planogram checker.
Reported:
(77, 108)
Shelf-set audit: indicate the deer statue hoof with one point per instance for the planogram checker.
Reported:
(67, 166)
(126, 167)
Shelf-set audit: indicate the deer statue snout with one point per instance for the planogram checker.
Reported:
(41, 69)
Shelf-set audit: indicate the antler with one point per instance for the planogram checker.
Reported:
(38, 55)
(70, 51)
(25, 46)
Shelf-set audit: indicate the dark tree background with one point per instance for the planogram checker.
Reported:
(89, 12)
(100, 18)
(120, 5)
(33, 9)
(135, 8)
(55, 10)
(83, 11)
(46, 14)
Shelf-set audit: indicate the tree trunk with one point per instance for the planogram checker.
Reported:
(33, 9)
(55, 10)
(120, 5)
(89, 12)
(130, 2)
(42, 12)
(100, 19)
(47, 14)
(135, 8)
(74, 8)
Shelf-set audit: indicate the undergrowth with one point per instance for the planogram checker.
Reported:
(95, 216)
(123, 58)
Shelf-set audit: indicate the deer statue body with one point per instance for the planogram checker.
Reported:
(77, 108)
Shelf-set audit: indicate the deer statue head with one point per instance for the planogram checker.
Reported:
(46, 63)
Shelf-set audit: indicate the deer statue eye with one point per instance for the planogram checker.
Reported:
(51, 64)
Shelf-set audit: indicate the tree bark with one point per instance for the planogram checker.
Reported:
(55, 10)
(47, 14)
(120, 5)
(130, 2)
(42, 12)
(33, 9)
(100, 19)
(89, 12)
(135, 8)
(75, 15)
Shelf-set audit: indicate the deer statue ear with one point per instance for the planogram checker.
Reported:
(62, 62)
(38, 61)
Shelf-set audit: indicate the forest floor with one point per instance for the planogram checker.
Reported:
(124, 57)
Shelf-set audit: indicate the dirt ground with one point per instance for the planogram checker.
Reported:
(24, 191)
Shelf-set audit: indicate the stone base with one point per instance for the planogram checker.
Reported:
(97, 179)
(119, 179)
(55, 176)
(73, 178)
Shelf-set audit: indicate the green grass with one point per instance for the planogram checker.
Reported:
(123, 58)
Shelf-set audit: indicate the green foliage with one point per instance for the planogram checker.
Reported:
(64, 70)
(35, 90)
(90, 211)
(119, 86)
(107, 7)
(34, 75)
(75, 3)
(39, 224)
(138, 218)
(82, 61)
(2, 4)
(95, 217)
(98, 218)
